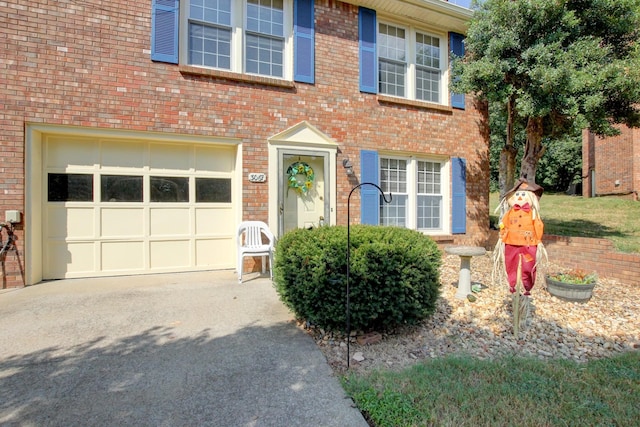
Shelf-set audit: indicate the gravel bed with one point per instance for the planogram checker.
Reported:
(606, 325)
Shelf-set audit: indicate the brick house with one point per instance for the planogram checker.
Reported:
(611, 166)
(138, 135)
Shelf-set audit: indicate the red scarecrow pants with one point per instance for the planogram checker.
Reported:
(512, 255)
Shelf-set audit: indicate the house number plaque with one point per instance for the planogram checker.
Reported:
(257, 177)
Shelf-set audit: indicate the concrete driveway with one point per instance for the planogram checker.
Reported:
(193, 349)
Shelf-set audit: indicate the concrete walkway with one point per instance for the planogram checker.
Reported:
(193, 349)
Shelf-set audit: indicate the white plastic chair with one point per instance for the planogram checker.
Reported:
(251, 243)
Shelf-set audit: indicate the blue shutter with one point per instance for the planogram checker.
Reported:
(369, 195)
(459, 195)
(457, 47)
(303, 41)
(164, 30)
(367, 46)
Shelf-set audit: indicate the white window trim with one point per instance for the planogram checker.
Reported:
(410, 49)
(412, 192)
(238, 50)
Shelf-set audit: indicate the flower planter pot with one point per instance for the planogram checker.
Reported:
(570, 291)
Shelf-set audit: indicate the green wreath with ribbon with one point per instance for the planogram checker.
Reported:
(300, 186)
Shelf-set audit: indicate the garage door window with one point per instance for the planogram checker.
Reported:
(169, 189)
(121, 188)
(213, 190)
(70, 187)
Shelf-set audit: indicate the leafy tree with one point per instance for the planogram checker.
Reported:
(561, 165)
(554, 67)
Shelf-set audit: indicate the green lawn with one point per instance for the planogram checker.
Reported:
(463, 391)
(456, 391)
(602, 217)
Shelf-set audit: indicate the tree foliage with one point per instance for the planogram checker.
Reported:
(554, 67)
(558, 169)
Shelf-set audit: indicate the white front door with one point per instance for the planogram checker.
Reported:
(303, 197)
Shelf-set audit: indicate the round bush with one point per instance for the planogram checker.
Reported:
(394, 276)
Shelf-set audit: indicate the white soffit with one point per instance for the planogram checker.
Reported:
(438, 14)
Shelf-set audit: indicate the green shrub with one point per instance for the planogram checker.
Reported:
(394, 276)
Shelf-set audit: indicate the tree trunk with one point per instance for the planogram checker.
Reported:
(533, 149)
(507, 169)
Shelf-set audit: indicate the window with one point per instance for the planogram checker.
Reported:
(121, 188)
(243, 36)
(169, 189)
(417, 188)
(265, 37)
(392, 60)
(427, 68)
(70, 187)
(213, 190)
(429, 197)
(274, 38)
(210, 33)
(410, 63)
(393, 178)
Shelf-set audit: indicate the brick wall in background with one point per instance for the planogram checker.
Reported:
(611, 166)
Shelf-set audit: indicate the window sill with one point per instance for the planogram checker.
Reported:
(228, 75)
(387, 99)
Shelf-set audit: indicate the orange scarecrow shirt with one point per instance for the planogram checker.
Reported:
(520, 229)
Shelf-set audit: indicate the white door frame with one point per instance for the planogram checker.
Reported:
(305, 140)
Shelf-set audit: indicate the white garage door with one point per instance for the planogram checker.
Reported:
(116, 207)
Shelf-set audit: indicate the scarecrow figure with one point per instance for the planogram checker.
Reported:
(521, 231)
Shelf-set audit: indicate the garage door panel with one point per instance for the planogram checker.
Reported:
(69, 259)
(169, 222)
(210, 159)
(122, 256)
(167, 254)
(215, 253)
(121, 222)
(70, 222)
(168, 157)
(214, 221)
(122, 154)
(69, 152)
(153, 232)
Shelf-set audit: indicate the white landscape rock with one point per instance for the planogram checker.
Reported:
(358, 356)
(606, 325)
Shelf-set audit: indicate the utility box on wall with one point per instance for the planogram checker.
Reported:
(12, 217)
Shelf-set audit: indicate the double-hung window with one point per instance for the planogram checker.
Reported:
(265, 37)
(404, 61)
(410, 63)
(429, 195)
(243, 36)
(269, 38)
(392, 60)
(428, 74)
(417, 187)
(393, 179)
(210, 30)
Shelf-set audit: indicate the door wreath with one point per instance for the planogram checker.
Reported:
(301, 186)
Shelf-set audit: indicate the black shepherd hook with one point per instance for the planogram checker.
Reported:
(349, 254)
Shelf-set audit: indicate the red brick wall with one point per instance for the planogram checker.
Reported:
(597, 255)
(592, 255)
(88, 64)
(616, 162)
